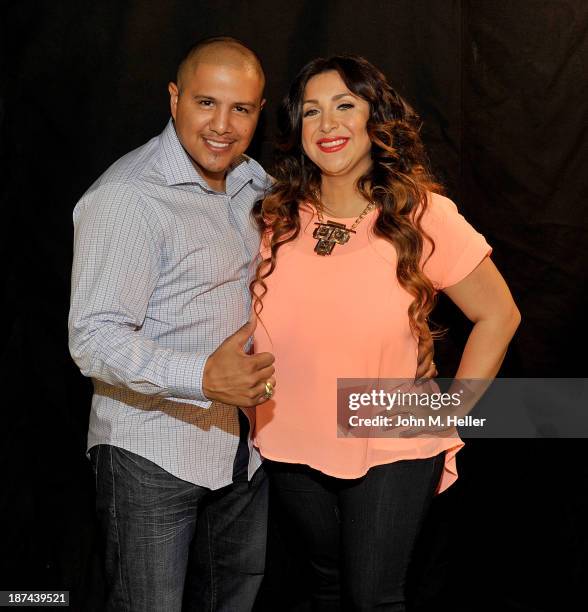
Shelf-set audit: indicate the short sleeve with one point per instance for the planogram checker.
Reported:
(459, 248)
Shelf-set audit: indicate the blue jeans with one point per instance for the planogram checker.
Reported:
(358, 534)
(172, 545)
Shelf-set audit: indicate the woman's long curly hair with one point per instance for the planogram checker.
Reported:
(397, 181)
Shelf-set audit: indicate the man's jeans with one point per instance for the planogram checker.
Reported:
(168, 541)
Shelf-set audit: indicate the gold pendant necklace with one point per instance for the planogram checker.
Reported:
(331, 233)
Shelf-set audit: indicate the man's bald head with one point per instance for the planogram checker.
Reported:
(216, 104)
(220, 51)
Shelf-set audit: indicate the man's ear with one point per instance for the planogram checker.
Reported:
(174, 92)
(262, 104)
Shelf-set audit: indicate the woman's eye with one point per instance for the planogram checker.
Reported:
(310, 112)
(345, 106)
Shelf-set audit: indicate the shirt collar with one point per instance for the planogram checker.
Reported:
(179, 170)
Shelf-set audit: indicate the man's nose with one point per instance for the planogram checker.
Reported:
(220, 122)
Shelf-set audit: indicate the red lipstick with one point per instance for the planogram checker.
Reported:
(331, 145)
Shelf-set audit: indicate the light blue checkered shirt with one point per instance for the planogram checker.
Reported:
(160, 278)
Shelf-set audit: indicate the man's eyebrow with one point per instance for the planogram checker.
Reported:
(213, 99)
(334, 98)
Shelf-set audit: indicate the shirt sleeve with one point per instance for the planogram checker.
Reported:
(459, 248)
(117, 249)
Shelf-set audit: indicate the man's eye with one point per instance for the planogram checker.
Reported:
(206, 103)
(310, 112)
(241, 109)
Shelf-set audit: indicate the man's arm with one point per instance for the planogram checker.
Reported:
(117, 249)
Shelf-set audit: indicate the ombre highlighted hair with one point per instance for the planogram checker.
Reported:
(397, 182)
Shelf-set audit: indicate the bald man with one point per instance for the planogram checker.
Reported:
(164, 245)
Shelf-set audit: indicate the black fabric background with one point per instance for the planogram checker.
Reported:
(502, 88)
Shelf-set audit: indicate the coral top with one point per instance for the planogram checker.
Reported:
(344, 315)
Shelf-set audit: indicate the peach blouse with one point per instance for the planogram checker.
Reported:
(345, 316)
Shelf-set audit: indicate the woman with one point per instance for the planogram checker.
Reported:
(350, 301)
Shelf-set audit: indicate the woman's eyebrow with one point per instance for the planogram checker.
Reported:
(337, 97)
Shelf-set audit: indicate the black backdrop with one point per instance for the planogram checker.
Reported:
(502, 88)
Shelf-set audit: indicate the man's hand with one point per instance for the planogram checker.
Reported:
(233, 377)
(425, 365)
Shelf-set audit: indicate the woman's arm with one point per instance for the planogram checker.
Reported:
(485, 299)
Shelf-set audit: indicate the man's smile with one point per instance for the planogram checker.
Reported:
(217, 145)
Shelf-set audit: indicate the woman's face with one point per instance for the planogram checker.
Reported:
(334, 134)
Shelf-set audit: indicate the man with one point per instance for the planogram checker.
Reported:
(164, 246)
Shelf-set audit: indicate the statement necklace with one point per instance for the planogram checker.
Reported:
(331, 233)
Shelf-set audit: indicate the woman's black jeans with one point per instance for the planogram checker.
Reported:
(359, 534)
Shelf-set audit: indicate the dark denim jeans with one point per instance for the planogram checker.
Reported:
(358, 534)
(171, 545)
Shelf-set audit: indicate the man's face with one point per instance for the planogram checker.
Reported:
(215, 115)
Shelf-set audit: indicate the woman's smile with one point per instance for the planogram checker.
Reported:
(331, 145)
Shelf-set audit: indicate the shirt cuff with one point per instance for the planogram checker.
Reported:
(184, 378)
(468, 261)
